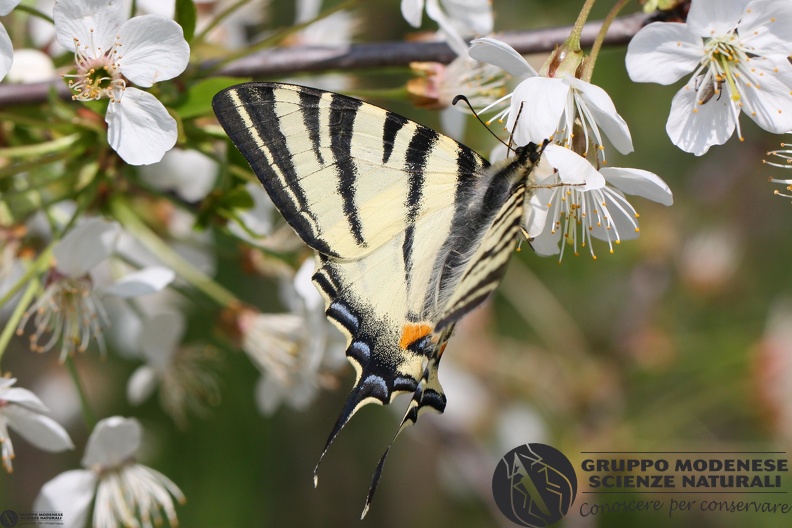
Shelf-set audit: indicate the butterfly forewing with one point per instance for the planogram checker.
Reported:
(335, 166)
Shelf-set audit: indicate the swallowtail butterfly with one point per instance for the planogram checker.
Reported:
(411, 229)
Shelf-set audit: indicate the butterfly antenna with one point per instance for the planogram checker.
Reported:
(516, 120)
(463, 98)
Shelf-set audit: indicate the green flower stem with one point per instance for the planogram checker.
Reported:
(88, 415)
(37, 267)
(133, 223)
(17, 119)
(34, 12)
(222, 15)
(40, 149)
(25, 166)
(275, 39)
(19, 311)
(595, 48)
(573, 42)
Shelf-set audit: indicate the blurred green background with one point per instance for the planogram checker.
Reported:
(679, 340)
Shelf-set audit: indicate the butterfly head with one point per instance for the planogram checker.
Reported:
(530, 153)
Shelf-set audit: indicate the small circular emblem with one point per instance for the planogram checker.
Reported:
(9, 518)
(534, 485)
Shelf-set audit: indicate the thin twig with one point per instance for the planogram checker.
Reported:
(286, 61)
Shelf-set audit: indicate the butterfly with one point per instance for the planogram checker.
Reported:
(411, 229)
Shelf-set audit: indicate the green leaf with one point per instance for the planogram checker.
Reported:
(185, 17)
(238, 198)
(199, 97)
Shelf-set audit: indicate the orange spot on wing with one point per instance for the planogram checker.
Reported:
(412, 332)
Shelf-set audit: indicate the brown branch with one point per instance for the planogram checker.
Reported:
(284, 61)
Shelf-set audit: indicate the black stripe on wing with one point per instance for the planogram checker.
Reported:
(393, 123)
(421, 145)
(310, 112)
(247, 113)
(343, 111)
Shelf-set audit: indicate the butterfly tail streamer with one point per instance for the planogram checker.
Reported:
(429, 396)
(359, 397)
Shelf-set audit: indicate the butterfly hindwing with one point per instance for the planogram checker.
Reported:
(412, 229)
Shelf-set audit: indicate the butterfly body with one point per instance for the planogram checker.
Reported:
(412, 230)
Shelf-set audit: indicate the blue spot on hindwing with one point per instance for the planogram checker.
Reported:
(340, 311)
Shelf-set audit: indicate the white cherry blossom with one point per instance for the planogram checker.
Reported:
(550, 107)
(576, 213)
(295, 350)
(70, 307)
(24, 413)
(110, 51)
(126, 493)
(183, 374)
(456, 18)
(737, 54)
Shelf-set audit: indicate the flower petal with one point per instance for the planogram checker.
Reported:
(601, 106)
(148, 280)
(538, 102)
(6, 52)
(94, 23)
(695, 127)
(139, 128)
(412, 11)
(546, 243)
(85, 246)
(766, 27)
(474, 16)
(154, 49)
(69, 493)
(161, 335)
(306, 290)
(41, 431)
(269, 394)
(769, 104)
(714, 17)
(6, 6)
(663, 53)
(639, 183)
(141, 385)
(573, 169)
(189, 173)
(24, 398)
(452, 36)
(30, 66)
(535, 210)
(493, 51)
(112, 441)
